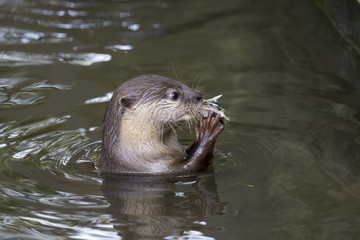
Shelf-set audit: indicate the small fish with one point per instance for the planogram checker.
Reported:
(212, 105)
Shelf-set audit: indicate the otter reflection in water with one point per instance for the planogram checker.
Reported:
(139, 129)
(155, 207)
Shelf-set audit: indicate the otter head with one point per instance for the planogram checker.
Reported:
(140, 118)
(159, 100)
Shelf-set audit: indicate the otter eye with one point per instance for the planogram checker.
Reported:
(174, 95)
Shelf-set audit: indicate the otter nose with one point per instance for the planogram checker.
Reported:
(199, 97)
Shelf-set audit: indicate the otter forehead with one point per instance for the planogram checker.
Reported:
(151, 81)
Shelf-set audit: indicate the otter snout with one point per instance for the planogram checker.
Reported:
(192, 96)
(198, 97)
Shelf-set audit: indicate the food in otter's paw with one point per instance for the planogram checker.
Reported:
(212, 105)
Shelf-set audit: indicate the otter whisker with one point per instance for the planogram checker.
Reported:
(194, 81)
(198, 84)
(180, 128)
(199, 88)
(173, 66)
(173, 129)
(188, 123)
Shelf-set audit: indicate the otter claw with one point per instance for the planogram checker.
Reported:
(212, 105)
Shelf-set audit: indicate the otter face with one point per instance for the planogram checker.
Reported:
(178, 104)
(161, 100)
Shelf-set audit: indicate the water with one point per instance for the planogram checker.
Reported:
(286, 167)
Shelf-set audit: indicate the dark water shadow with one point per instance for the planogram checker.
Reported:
(158, 207)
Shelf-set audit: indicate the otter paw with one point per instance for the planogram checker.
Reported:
(209, 128)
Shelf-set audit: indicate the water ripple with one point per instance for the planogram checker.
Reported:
(69, 4)
(14, 93)
(12, 58)
(101, 99)
(120, 47)
(11, 36)
(42, 142)
(12, 130)
(45, 85)
(76, 24)
(191, 234)
(71, 225)
(25, 98)
(59, 13)
(84, 59)
(75, 201)
(10, 83)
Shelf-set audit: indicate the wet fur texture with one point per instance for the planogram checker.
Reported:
(139, 123)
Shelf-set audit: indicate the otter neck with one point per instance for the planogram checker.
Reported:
(147, 135)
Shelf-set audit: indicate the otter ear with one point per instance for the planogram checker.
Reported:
(128, 101)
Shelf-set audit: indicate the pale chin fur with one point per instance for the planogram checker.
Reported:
(185, 118)
(188, 117)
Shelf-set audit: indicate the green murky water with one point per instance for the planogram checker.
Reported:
(286, 167)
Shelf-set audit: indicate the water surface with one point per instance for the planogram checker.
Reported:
(286, 167)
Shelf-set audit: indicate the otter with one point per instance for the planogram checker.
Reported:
(139, 129)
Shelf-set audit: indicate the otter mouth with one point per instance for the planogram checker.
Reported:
(208, 105)
(191, 113)
(186, 117)
(189, 116)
